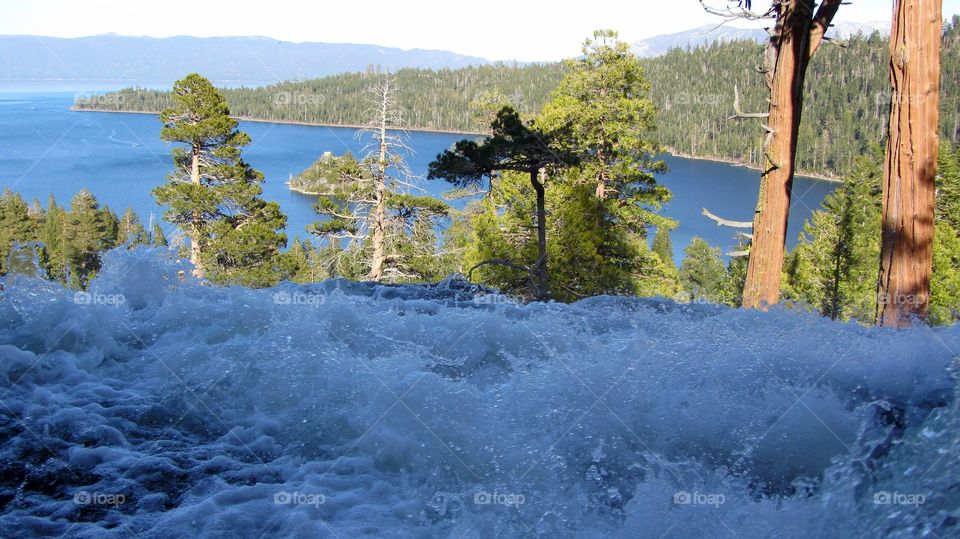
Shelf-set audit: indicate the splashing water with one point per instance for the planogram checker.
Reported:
(154, 407)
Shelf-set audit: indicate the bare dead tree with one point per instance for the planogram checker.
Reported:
(357, 204)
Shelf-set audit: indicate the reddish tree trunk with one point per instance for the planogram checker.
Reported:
(910, 168)
(795, 39)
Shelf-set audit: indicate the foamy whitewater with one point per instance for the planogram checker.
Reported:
(153, 407)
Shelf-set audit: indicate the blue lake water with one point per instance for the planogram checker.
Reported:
(45, 148)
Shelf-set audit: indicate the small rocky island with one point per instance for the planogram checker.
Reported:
(324, 174)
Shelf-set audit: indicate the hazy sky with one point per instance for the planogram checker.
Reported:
(493, 29)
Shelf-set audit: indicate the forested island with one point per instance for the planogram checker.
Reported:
(844, 114)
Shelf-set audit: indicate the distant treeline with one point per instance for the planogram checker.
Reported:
(846, 99)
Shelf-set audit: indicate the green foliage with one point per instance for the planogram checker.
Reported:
(244, 249)
(585, 260)
(844, 114)
(427, 99)
(157, 237)
(52, 251)
(323, 176)
(948, 185)
(834, 267)
(603, 104)
(603, 107)
(945, 287)
(346, 203)
(16, 227)
(130, 231)
(663, 246)
(87, 232)
(213, 194)
(704, 276)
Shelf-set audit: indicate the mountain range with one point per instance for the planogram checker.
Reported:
(261, 60)
(705, 35)
(254, 60)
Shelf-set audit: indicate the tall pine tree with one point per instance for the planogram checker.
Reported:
(213, 194)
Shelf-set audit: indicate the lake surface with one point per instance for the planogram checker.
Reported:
(45, 148)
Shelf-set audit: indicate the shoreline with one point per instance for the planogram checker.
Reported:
(672, 152)
(728, 161)
(293, 122)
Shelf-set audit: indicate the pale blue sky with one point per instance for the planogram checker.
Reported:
(497, 29)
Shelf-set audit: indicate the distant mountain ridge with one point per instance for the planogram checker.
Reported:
(222, 59)
(712, 33)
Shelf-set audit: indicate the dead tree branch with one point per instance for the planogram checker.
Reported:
(726, 222)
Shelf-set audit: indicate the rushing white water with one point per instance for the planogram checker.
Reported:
(159, 408)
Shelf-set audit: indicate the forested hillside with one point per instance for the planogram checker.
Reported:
(845, 104)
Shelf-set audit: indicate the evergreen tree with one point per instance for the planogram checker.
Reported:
(703, 274)
(112, 223)
(52, 254)
(130, 232)
(945, 286)
(948, 185)
(833, 269)
(16, 227)
(663, 245)
(513, 147)
(603, 104)
(235, 236)
(296, 262)
(157, 237)
(86, 234)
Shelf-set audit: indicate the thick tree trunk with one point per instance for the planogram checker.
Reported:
(196, 227)
(540, 268)
(380, 205)
(796, 37)
(906, 255)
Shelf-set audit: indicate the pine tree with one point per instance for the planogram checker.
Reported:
(130, 232)
(86, 234)
(157, 237)
(945, 286)
(235, 236)
(948, 185)
(703, 274)
(663, 245)
(603, 106)
(16, 227)
(296, 262)
(52, 256)
(513, 147)
(112, 223)
(833, 267)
